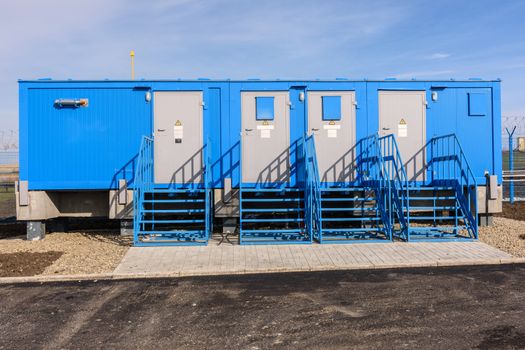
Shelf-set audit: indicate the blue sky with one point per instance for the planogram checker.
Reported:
(265, 39)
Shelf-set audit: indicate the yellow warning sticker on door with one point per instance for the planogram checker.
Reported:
(178, 123)
(265, 123)
(402, 128)
(331, 122)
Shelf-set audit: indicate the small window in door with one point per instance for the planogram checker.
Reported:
(264, 107)
(331, 107)
(477, 104)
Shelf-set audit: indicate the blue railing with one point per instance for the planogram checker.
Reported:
(399, 181)
(449, 166)
(313, 189)
(374, 174)
(143, 180)
(208, 186)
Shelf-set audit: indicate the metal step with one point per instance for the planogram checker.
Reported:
(271, 190)
(347, 199)
(439, 228)
(273, 231)
(273, 220)
(272, 210)
(176, 191)
(437, 218)
(438, 207)
(160, 221)
(371, 218)
(359, 229)
(172, 232)
(343, 189)
(267, 200)
(432, 188)
(172, 211)
(438, 198)
(197, 200)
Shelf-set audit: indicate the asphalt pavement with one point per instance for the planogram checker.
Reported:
(479, 307)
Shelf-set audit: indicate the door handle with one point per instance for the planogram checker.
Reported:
(161, 130)
(315, 129)
(386, 128)
(248, 129)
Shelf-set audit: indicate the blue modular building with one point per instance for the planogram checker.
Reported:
(286, 161)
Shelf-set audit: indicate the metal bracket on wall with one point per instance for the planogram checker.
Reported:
(227, 196)
(493, 187)
(23, 193)
(122, 192)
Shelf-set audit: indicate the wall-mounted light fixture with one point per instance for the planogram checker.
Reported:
(434, 96)
(301, 96)
(71, 103)
(148, 96)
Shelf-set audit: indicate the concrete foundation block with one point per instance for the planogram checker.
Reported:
(36, 230)
(126, 227)
(486, 220)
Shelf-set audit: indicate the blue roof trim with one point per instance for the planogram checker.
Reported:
(200, 80)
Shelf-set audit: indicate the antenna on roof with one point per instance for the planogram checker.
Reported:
(132, 56)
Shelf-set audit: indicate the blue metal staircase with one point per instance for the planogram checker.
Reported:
(444, 208)
(398, 181)
(170, 214)
(275, 213)
(351, 212)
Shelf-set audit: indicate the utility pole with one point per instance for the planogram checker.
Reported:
(132, 56)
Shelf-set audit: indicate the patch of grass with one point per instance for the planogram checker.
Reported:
(7, 195)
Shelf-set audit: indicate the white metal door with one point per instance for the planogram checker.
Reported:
(334, 139)
(178, 137)
(265, 142)
(403, 114)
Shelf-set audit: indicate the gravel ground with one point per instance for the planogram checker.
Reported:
(506, 234)
(82, 252)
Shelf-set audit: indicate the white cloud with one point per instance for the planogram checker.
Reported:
(438, 56)
(425, 74)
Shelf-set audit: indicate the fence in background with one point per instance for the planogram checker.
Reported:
(8, 147)
(513, 157)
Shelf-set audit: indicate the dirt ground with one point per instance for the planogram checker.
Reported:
(515, 211)
(89, 246)
(481, 307)
(508, 231)
(506, 234)
(67, 253)
(26, 263)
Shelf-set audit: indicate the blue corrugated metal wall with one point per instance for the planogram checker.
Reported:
(91, 148)
(77, 148)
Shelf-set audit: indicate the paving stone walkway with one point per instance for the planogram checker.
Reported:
(235, 259)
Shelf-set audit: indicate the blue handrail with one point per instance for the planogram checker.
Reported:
(399, 181)
(448, 165)
(208, 187)
(313, 188)
(143, 180)
(374, 174)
